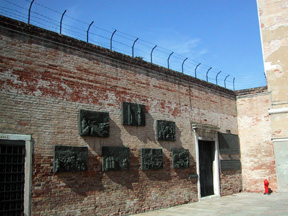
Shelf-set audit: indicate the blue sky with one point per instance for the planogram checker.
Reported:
(222, 34)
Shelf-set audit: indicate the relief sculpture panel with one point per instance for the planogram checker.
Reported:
(93, 123)
(115, 158)
(166, 130)
(133, 114)
(151, 159)
(70, 159)
(180, 158)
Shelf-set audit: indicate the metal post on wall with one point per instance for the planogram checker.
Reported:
(234, 84)
(30, 11)
(61, 21)
(217, 77)
(169, 59)
(112, 38)
(207, 73)
(88, 30)
(196, 69)
(225, 80)
(152, 52)
(133, 46)
(183, 65)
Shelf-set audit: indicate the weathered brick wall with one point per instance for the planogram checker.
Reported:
(230, 182)
(273, 21)
(47, 78)
(257, 152)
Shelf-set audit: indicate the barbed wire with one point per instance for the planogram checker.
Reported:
(127, 44)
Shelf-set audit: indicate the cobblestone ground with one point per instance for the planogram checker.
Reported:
(238, 204)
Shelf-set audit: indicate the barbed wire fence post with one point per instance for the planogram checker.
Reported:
(61, 21)
(112, 39)
(225, 80)
(217, 77)
(30, 11)
(207, 73)
(41, 20)
(168, 60)
(152, 53)
(183, 65)
(133, 46)
(88, 31)
(196, 69)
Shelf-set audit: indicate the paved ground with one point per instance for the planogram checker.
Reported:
(238, 204)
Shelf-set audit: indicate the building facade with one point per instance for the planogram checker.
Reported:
(89, 131)
(273, 18)
(254, 128)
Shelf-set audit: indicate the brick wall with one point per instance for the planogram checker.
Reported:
(257, 152)
(230, 182)
(273, 21)
(47, 78)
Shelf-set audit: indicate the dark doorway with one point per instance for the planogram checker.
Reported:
(12, 157)
(206, 158)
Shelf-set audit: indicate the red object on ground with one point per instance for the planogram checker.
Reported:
(266, 184)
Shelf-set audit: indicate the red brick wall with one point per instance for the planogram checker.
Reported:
(47, 78)
(230, 182)
(257, 152)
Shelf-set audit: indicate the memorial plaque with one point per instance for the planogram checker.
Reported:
(115, 158)
(133, 114)
(228, 143)
(151, 159)
(70, 159)
(165, 130)
(93, 123)
(230, 165)
(180, 158)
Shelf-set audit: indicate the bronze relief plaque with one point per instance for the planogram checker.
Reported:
(166, 131)
(151, 159)
(133, 114)
(70, 159)
(180, 158)
(115, 158)
(93, 123)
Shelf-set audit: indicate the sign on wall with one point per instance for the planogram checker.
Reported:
(230, 165)
(228, 143)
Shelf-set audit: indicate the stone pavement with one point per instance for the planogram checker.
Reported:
(238, 204)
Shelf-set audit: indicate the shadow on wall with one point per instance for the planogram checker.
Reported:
(163, 174)
(97, 143)
(126, 178)
(169, 145)
(92, 180)
(184, 173)
(149, 133)
(83, 182)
